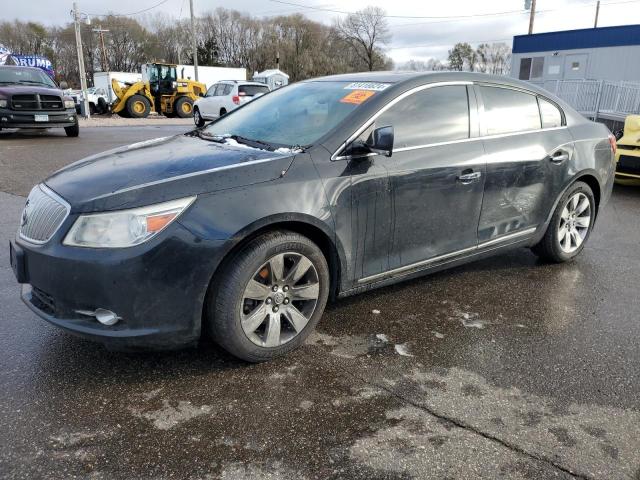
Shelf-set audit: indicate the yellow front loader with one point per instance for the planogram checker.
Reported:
(159, 90)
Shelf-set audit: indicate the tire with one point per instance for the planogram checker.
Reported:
(228, 303)
(223, 111)
(92, 108)
(72, 131)
(555, 246)
(138, 106)
(197, 118)
(102, 105)
(183, 107)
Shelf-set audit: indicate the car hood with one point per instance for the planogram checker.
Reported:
(163, 169)
(8, 90)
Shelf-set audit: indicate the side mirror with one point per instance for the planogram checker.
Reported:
(64, 85)
(381, 141)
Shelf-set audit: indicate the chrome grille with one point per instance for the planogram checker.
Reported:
(43, 214)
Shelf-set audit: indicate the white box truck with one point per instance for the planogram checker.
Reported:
(103, 80)
(211, 75)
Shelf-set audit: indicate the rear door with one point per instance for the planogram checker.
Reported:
(437, 173)
(527, 155)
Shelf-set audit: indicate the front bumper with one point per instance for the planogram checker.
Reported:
(157, 288)
(26, 119)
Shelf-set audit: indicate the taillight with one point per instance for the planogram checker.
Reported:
(236, 99)
(612, 142)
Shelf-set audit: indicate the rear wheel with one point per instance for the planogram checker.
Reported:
(72, 131)
(183, 107)
(197, 118)
(138, 106)
(269, 297)
(570, 225)
(223, 111)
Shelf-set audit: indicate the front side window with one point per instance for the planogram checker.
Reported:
(433, 115)
(219, 90)
(508, 111)
(298, 114)
(210, 92)
(551, 116)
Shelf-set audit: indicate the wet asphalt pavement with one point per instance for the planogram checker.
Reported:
(504, 368)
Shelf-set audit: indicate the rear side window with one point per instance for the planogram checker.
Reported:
(251, 90)
(227, 89)
(508, 111)
(434, 115)
(550, 114)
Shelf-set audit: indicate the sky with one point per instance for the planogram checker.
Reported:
(413, 37)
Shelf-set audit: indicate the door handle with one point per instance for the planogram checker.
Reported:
(470, 177)
(559, 157)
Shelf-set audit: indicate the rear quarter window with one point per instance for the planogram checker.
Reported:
(508, 111)
(550, 114)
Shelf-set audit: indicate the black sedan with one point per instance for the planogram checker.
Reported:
(243, 229)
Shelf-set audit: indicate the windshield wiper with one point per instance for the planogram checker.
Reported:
(238, 138)
(251, 142)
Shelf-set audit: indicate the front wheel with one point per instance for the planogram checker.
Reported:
(269, 297)
(197, 118)
(183, 107)
(570, 226)
(72, 131)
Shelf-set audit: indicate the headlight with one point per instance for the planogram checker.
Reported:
(69, 104)
(3, 104)
(124, 228)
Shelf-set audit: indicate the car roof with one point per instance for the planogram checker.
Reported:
(242, 82)
(21, 66)
(416, 78)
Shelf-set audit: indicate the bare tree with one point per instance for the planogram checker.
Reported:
(365, 31)
(493, 58)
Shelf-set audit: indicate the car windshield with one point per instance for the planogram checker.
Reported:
(296, 115)
(25, 76)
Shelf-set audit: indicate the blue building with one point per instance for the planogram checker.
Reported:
(606, 53)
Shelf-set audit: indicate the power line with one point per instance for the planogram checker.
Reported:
(397, 16)
(448, 18)
(162, 2)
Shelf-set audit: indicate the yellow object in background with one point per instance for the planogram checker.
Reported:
(628, 153)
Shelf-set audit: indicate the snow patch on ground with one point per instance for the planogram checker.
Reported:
(403, 350)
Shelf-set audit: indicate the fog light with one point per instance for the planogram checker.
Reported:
(71, 119)
(104, 316)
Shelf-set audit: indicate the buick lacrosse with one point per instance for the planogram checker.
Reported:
(243, 229)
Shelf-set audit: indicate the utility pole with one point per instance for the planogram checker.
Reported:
(532, 16)
(101, 31)
(194, 42)
(83, 75)
(595, 24)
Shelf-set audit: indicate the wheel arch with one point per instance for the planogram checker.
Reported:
(590, 178)
(305, 225)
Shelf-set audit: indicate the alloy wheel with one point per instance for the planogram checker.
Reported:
(574, 222)
(279, 299)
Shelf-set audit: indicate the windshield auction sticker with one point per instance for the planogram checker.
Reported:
(356, 97)
(376, 87)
